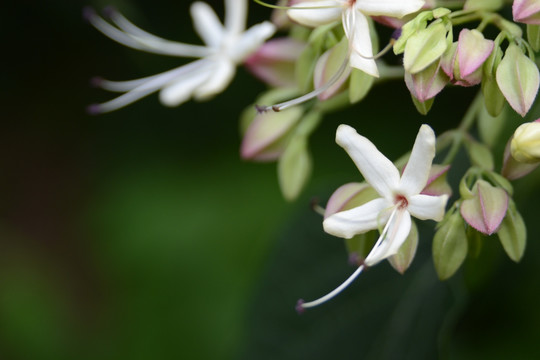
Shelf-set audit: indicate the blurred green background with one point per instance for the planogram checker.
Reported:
(142, 235)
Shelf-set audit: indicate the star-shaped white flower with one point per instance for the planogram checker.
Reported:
(226, 46)
(353, 14)
(400, 197)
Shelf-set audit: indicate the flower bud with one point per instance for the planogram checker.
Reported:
(487, 5)
(518, 79)
(265, 138)
(525, 146)
(349, 196)
(405, 255)
(437, 184)
(427, 83)
(472, 51)
(274, 62)
(425, 47)
(449, 246)
(328, 65)
(486, 209)
(526, 11)
(513, 169)
(513, 233)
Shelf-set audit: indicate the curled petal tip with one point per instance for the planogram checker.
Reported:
(93, 109)
(299, 307)
(109, 11)
(96, 81)
(88, 13)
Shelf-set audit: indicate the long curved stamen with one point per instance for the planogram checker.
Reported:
(138, 39)
(287, 104)
(278, 7)
(302, 305)
(334, 292)
(380, 53)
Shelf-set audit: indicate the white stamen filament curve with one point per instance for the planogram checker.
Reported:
(354, 275)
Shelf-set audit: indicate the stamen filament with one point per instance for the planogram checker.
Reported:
(278, 7)
(358, 271)
(334, 292)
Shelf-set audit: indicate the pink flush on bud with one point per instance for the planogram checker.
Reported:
(274, 61)
(526, 11)
(486, 209)
(472, 51)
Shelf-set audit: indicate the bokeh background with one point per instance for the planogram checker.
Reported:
(141, 234)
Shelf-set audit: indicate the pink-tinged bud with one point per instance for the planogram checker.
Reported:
(518, 79)
(274, 61)
(472, 51)
(349, 196)
(487, 207)
(437, 184)
(513, 169)
(427, 83)
(266, 137)
(526, 11)
(328, 65)
(525, 146)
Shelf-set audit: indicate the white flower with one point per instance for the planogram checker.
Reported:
(400, 197)
(353, 14)
(226, 46)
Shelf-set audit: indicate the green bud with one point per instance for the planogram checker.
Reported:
(359, 85)
(425, 47)
(328, 65)
(487, 5)
(294, 168)
(423, 107)
(518, 78)
(490, 127)
(513, 233)
(449, 246)
(410, 28)
(533, 36)
(405, 255)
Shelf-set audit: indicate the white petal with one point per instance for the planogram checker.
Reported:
(393, 8)
(235, 16)
(378, 171)
(356, 28)
(222, 73)
(207, 24)
(181, 89)
(396, 234)
(251, 40)
(355, 221)
(416, 173)
(330, 10)
(426, 207)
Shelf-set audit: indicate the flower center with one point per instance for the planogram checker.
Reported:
(401, 201)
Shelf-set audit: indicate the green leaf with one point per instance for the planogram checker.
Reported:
(450, 246)
(513, 233)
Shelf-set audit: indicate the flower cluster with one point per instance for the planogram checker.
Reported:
(330, 59)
